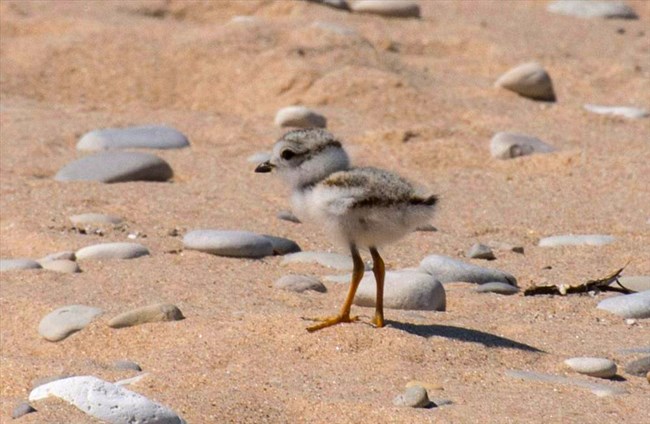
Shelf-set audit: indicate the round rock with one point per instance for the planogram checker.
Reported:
(576, 240)
(299, 284)
(115, 167)
(299, 116)
(640, 367)
(592, 9)
(388, 8)
(23, 408)
(624, 111)
(94, 218)
(15, 264)
(122, 250)
(628, 306)
(595, 367)
(144, 137)
(528, 80)
(159, 312)
(497, 287)
(60, 323)
(240, 244)
(62, 265)
(408, 290)
(446, 269)
(506, 145)
(413, 397)
(480, 251)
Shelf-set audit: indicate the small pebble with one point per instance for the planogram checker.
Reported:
(446, 269)
(592, 9)
(506, 145)
(144, 137)
(327, 259)
(124, 364)
(595, 367)
(240, 244)
(528, 80)
(63, 265)
(62, 322)
(640, 367)
(413, 397)
(635, 305)
(23, 408)
(16, 264)
(387, 8)
(112, 251)
(480, 251)
(407, 290)
(299, 116)
(94, 218)
(576, 240)
(159, 312)
(497, 287)
(115, 167)
(299, 284)
(624, 111)
(288, 216)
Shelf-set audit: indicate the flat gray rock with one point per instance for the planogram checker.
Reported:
(125, 364)
(600, 390)
(638, 283)
(62, 265)
(624, 111)
(16, 264)
(528, 80)
(115, 167)
(300, 117)
(159, 312)
(497, 287)
(413, 397)
(106, 401)
(94, 218)
(282, 246)
(299, 283)
(142, 137)
(640, 367)
(635, 305)
(123, 250)
(505, 145)
(592, 9)
(387, 8)
(576, 240)
(407, 290)
(594, 367)
(23, 408)
(327, 259)
(480, 251)
(239, 244)
(60, 323)
(446, 269)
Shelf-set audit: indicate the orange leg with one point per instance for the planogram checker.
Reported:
(379, 269)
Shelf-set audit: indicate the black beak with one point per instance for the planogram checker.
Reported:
(264, 167)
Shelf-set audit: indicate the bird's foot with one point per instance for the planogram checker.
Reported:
(378, 320)
(330, 321)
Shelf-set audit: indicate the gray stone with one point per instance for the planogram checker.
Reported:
(529, 80)
(628, 306)
(159, 312)
(576, 240)
(124, 364)
(299, 284)
(106, 401)
(413, 397)
(624, 111)
(58, 256)
(594, 367)
(259, 157)
(115, 167)
(497, 287)
(480, 251)
(506, 145)
(288, 216)
(23, 408)
(327, 259)
(638, 283)
(123, 250)
(299, 116)
(600, 390)
(60, 323)
(16, 264)
(408, 290)
(62, 265)
(282, 246)
(94, 218)
(240, 244)
(144, 137)
(640, 367)
(446, 269)
(592, 9)
(388, 8)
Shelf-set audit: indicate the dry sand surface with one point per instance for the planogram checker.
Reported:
(412, 95)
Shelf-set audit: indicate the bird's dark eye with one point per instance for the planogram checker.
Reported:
(287, 154)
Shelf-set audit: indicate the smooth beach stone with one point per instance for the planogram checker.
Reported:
(638, 283)
(16, 264)
(259, 157)
(600, 390)
(282, 246)
(122, 250)
(413, 397)
(299, 283)
(624, 111)
(407, 290)
(125, 364)
(144, 137)
(506, 145)
(59, 256)
(480, 251)
(60, 323)
(239, 244)
(496, 287)
(299, 116)
(576, 240)
(159, 312)
(94, 218)
(327, 259)
(595, 367)
(592, 9)
(529, 80)
(446, 269)
(640, 367)
(635, 305)
(388, 8)
(62, 265)
(106, 401)
(23, 408)
(115, 167)
(288, 216)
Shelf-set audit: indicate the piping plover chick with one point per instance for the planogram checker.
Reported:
(359, 207)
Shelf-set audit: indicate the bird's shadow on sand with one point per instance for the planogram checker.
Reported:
(463, 334)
